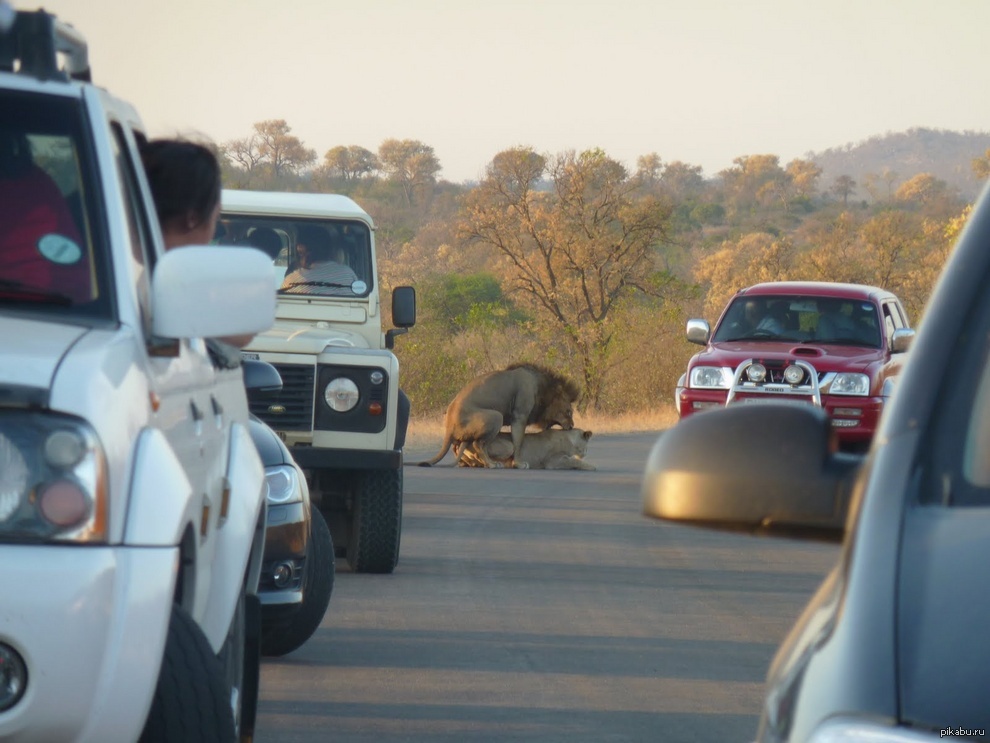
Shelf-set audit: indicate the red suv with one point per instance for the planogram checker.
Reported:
(836, 346)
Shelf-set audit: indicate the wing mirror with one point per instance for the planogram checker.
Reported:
(698, 331)
(901, 340)
(765, 469)
(403, 313)
(261, 377)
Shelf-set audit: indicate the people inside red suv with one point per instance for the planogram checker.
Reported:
(774, 321)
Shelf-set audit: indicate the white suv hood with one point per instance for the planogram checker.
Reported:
(32, 350)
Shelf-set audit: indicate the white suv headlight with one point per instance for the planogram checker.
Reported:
(711, 377)
(850, 383)
(283, 485)
(53, 483)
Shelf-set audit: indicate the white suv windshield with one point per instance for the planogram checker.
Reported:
(329, 258)
(49, 259)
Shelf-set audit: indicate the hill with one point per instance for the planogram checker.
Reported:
(947, 155)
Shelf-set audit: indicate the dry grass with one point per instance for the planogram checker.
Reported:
(427, 432)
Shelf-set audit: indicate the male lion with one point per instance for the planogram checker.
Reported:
(518, 396)
(547, 450)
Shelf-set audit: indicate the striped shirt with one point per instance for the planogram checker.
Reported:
(303, 280)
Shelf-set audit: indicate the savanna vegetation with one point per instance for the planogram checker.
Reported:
(573, 260)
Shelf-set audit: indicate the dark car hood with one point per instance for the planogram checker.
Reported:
(823, 357)
(943, 646)
(270, 447)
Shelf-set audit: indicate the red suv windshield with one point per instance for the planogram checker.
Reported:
(798, 319)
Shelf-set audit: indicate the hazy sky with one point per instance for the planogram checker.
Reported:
(701, 81)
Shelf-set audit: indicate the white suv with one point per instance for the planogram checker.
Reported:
(131, 494)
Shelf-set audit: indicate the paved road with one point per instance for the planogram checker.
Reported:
(541, 606)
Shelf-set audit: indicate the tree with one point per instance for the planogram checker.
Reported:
(889, 177)
(939, 238)
(350, 163)
(649, 168)
(682, 181)
(573, 252)
(410, 163)
(463, 301)
(923, 189)
(804, 175)
(752, 259)
(754, 179)
(981, 166)
(832, 251)
(284, 152)
(872, 181)
(244, 153)
(893, 241)
(844, 186)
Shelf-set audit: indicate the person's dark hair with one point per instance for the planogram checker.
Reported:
(317, 241)
(266, 239)
(184, 178)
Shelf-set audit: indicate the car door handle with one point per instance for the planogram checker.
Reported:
(217, 411)
(197, 417)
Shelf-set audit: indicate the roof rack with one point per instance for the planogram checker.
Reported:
(35, 39)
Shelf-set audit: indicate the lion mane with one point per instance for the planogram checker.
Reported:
(518, 396)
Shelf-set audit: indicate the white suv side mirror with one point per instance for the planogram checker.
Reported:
(208, 292)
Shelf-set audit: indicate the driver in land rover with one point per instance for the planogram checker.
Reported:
(318, 272)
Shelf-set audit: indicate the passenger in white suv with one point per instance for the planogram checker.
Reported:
(40, 244)
(185, 182)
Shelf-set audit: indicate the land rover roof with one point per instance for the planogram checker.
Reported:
(279, 204)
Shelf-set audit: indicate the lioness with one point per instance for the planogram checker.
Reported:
(518, 396)
(548, 450)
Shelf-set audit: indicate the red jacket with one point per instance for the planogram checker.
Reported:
(40, 244)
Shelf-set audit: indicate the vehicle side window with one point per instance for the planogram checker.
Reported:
(897, 315)
(960, 438)
(891, 320)
(137, 226)
(52, 255)
(976, 458)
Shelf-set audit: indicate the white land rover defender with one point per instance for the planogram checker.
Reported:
(132, 516)
(340, 410)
